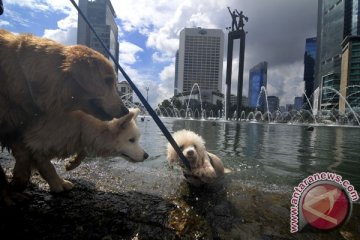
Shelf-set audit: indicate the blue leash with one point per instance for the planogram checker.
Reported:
(138, 93)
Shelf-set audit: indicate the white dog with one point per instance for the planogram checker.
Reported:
(205, 167)
(81, 134)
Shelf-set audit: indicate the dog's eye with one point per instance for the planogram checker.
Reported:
(109, 81)
(181, 147)
(132, 140)
(195, 146)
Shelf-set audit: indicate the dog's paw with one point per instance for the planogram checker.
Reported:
(19, 184)
(65, 185)
(12, 198)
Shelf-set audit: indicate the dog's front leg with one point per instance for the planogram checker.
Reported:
(8, 196)
(48, 172)
(22, 168)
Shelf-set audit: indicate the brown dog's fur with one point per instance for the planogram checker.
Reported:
(205, 167)
(80, 133)
(40, 78)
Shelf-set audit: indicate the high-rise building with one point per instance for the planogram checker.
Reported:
(273, 102)
(337, 19)
(309, 71)
(257, 79)
(101, 15)
(200, 61)
(176, 90)
(298, 103)
(350, 74)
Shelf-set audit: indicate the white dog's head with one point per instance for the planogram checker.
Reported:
(126, 137)
(191, 144)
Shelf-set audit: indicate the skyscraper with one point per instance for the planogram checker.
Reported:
(273, 102)
(309, 70)
(101, 15)
(200, 60)
(337, 19)
(350, 73)
(176, 90)
(257, 79)
(298, 103)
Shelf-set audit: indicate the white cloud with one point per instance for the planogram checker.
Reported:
(67, 30)
(286, 82)
(43, 5)
(142, 81)
(128, 52)
(4, 23)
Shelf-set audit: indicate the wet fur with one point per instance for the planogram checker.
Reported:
(79, 133)
(193, 148)
(41, 78)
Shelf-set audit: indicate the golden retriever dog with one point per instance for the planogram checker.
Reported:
(40, 77)
(79, 133)
(205, 167)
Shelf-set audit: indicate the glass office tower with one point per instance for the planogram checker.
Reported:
(101, 15)
(257, 79)
(337, 20)
(309, 70)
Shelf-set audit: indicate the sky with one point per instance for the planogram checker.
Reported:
(149, 37)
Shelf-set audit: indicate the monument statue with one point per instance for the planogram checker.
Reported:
(241, 20)
(234, 22)
(236, 32)
(237, 24)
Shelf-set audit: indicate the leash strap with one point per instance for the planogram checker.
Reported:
(138, 93)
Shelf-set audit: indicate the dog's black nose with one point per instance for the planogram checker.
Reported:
(146, 156)
(190, 152)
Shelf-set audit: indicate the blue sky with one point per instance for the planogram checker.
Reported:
(149, 32)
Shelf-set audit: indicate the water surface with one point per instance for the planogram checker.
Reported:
(267, 154)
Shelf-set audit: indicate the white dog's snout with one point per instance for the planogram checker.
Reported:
(190, 152)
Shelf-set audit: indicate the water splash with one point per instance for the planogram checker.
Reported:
(346, 102)
(187, 106)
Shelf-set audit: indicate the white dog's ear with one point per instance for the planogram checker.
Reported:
(136, 111)
(123, 122)
(171, 154)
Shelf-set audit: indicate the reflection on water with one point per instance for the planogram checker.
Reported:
(267, 154)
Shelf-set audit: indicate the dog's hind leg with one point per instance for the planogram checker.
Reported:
(48, 172)
(75, 161)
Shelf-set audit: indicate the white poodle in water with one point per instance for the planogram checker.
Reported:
(205, 167)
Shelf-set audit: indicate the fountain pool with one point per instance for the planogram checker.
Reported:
(276, 155)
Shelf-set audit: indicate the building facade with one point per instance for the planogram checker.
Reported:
(257, 79)
(298, 103)
(309, 72)
(176, 90)
(101, 15)
(273, 102)
(337, 20)
(200, 60)
(350, 74)
(125, 91)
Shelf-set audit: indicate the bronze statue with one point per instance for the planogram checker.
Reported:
(234, 22)
(241, 19)
(237, 25)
